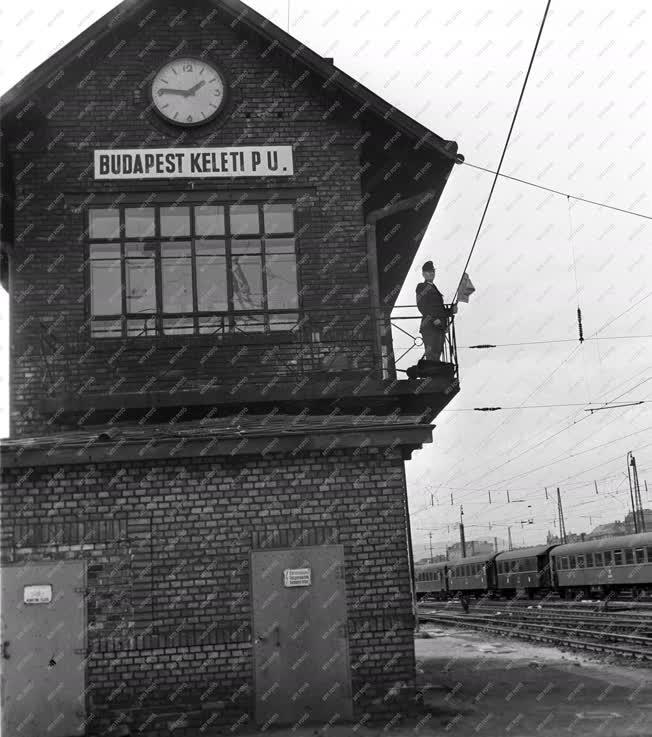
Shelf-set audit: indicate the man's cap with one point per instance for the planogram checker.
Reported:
(428, 266)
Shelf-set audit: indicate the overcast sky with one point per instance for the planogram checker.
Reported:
(584, 128)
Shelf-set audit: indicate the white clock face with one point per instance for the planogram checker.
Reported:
(188, 91)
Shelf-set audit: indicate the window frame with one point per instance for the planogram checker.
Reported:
(230, 330)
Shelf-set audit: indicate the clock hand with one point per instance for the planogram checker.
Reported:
(194, 88)
(170, 91)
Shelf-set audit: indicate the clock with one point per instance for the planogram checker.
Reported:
(188, 92)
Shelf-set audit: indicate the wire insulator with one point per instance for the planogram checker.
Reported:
(579, 324)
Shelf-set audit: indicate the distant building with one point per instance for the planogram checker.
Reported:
(626, 527)
(440, 558)
(571, 537)
(473, 547)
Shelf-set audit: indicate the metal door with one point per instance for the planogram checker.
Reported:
(300, 649)
(43, 641)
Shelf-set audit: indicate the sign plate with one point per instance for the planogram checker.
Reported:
(297, 577)
(37, 594)
(193, 163)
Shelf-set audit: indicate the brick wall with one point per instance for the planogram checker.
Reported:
(90, 104)
(167, 546)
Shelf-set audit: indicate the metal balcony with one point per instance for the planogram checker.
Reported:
(320, 357)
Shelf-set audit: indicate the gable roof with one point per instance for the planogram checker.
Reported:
(241, 13)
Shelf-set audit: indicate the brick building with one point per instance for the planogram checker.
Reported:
(205, 227)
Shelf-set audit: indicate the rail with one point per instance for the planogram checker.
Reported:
(284, 345)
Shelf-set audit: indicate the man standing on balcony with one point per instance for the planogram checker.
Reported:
(435, 314)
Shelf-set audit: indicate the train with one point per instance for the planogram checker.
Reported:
(600, 568)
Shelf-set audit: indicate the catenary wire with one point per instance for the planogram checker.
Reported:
(623, 210)
(506, 146)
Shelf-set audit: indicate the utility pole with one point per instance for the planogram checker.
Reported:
(637, 496)
(631, 491)
(462, 537)
(509, 538)
(562, 523)
(495, 544)
(430, 547)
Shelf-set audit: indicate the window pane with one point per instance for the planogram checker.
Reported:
(178, 326)
(140, 328)
(250, 323)
(618, 557)
(639, 556)
(244, 219)
(209, 220)
(212, 292)
(104, 223)
(214, 324)
(246, 246)
(286, 321)
(280, 245)
(589, 560)
(598, 560)
(247, 282)
(176, 277)
(139, 222)
(629, 556)
(281, 282)
(279, 218)
(106, 292)
(106, 328)
(608, 559)
(175, 221)
(580, 561)
(141, 285)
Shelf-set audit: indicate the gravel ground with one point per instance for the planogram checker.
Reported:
(475, 686)
(478, 685)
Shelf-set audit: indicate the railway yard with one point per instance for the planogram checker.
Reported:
(622, 631)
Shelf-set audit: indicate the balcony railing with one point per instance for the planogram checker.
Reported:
(213, 351)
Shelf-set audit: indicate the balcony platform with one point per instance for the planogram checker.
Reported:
(231, 435)
(345, 391)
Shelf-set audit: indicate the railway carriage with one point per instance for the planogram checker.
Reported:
(431, 580)
(608, 565)
(475, 575)
(525, 570)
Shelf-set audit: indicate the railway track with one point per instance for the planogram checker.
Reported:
(605, 633)
(623, 606)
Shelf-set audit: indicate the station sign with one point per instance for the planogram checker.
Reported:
(37, 594)
(193, 163)
(297, 577)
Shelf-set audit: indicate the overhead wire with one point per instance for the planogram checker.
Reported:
(505, 147)
(623, 210)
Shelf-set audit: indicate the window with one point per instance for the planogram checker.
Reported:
(599, 562)
(608, 558)
(564, 563)
(580, 561)
(573, 562)
(629, 557)
(618, 557)
(639, 555)
(192, 269)
(649, 554)
(589, 560)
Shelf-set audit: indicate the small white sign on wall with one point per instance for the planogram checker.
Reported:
(297, 577)
(37, 594)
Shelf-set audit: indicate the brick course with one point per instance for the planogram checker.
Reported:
(91, 105)
(167, 547)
